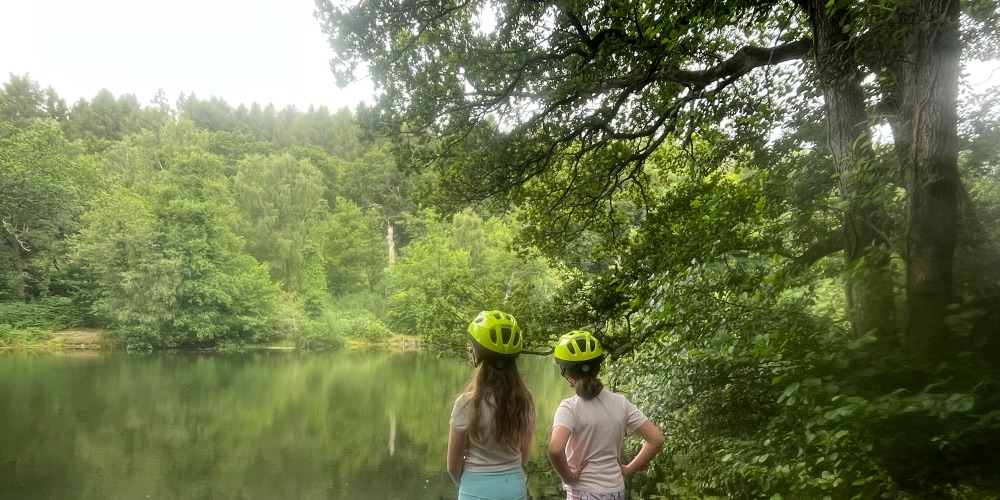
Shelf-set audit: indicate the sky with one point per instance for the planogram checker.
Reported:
(245, 51)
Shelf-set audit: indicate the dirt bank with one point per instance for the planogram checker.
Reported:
(79, 339)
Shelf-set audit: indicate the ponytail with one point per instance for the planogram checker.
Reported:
(588, 387)
(585, 381)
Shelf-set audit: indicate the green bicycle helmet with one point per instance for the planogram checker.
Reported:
(496, 333)
(578, 348)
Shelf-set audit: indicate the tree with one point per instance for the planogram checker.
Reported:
(277, 198)
(234, 146)
(497, 94)
(214, 114)
(22, 100)
(171, 270)
(120, 245)
(354, 249)
(453, 269)
(341, 138)
(374, 182)
(40, 196)
(106, 119)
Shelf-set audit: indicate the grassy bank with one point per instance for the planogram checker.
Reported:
(33, 339)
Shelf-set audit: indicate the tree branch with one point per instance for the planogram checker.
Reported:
(744, 60)
(822, 248)
(631, 346)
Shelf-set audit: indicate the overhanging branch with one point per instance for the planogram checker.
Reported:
(741, 63)
(822, 248)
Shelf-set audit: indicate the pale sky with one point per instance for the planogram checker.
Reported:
(268, 51)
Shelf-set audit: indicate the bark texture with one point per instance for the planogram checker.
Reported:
(869, 284)
(929, 90)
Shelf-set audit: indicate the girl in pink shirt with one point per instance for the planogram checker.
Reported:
(589, 428)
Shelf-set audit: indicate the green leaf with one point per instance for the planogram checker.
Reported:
(794, 386)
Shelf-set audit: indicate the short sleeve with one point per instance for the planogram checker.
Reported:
(564, 416)
(634, 418)
(460, 413)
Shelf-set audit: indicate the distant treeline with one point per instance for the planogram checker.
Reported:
(202, 225)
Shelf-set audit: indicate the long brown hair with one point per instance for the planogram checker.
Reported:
(504, 391)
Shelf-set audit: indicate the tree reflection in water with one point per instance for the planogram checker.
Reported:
(248, 426)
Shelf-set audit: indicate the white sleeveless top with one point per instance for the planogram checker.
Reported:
(486, 455)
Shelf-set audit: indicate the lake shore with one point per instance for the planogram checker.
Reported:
(92, 339)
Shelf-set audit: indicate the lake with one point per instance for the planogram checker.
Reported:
(259, 425)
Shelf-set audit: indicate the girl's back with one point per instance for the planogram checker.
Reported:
(597, 429)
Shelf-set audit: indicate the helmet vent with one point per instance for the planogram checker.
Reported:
(582, 343)
(493, 335)
(505, 332)
(571, 348)
(517, 338)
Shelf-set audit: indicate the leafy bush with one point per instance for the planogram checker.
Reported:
(320, 340)
(330, 321)
(762, 398)
(362, 326)
(12, 337)
(50, 313)
(135, 338)
(320, 334)
(371, 302)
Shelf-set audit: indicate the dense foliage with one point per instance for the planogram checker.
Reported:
(202, 226)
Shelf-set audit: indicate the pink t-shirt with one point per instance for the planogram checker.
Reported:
(597, 429)
(487, 455)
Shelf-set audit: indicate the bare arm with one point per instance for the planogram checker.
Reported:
(557, 456)
(652, 443)
(458, 441)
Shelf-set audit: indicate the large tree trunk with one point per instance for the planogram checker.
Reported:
(869, 283)
(929, 89)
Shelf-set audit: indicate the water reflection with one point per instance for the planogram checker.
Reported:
(349, 425)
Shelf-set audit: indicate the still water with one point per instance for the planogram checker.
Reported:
(272, 425)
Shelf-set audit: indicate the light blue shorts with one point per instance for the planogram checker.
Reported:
(504, 485)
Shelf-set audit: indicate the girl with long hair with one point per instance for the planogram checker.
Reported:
(589, 428)
(493, 420)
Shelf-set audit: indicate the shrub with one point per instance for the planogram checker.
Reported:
(364, 326)
(50, 313)
(13, 337)
(319, 335)
(760, 398)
